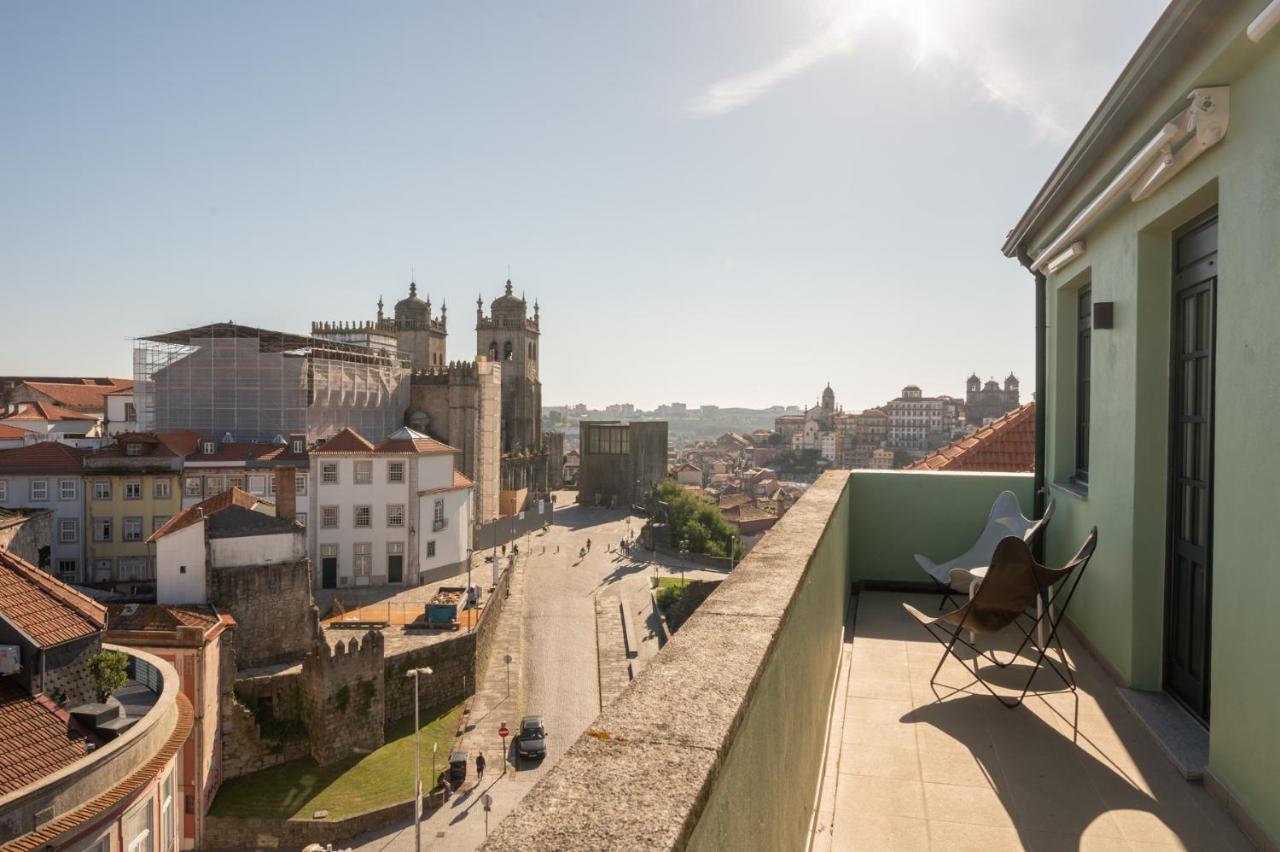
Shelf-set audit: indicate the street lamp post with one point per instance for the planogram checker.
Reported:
(684, 554)
(417, 759)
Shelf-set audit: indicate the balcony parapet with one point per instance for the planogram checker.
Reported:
(717, 744)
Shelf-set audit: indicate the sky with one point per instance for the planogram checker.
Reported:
(727, 203)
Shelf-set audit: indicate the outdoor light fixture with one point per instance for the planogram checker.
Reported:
(1262, 24)
(1104, 315)
(1073, 251)
(1195, 129)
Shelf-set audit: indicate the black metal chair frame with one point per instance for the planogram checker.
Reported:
(950, 635)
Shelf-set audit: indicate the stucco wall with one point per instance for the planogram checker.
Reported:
(894, 515)
(174, 552)
(258, 549)
(1120, 604)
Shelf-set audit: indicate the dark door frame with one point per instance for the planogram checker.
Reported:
(1193, 277)
(324, 564)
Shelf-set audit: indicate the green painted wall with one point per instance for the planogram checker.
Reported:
(764, 792)
(894, 515)
(1128, 261)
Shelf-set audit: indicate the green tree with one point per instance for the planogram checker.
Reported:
(696, 519)
(109, 669)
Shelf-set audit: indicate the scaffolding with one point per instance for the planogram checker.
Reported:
(259, 385)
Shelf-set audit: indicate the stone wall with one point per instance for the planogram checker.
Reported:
(694, 594)
(272, 605)
(343, 697)
(453, 675)
(487, 627)
(26, 533)
(67, 679)
(244, 749)
(250, 833)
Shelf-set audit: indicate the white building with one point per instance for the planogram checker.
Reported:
(233, 529)
(919, 422)
(398, 513)
(121, 414)
(45, 421)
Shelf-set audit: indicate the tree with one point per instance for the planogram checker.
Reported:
(696, 518)
(109, 669)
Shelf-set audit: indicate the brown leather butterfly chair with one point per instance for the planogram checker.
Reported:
(1004, 600)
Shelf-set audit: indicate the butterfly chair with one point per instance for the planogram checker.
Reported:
(1014, 581)
(1006, 519)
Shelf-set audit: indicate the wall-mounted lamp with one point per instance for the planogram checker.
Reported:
(1104, 314)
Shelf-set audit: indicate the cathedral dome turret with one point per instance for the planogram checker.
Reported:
(412, 308)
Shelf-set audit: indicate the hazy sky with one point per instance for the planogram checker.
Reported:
(715, 202)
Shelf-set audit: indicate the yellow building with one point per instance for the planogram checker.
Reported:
(130, 490)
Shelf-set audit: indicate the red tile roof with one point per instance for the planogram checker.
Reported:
(1006, 445)
(83, 394)
(35, 738)
(47, 411)
(181, 441)
(159, 617)
(8, 433)
(43, 457)
(460, 481)
(233, 496)
(153, 447)
(44, 608)
(406, 440)
(346, 441)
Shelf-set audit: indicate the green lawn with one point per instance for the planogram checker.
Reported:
(674, 582)
(351, 786)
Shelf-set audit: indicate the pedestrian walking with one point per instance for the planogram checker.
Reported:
(479, 767)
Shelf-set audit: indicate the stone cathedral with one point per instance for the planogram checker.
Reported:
(490, 409)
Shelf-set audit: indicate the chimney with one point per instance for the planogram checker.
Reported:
(286, 492)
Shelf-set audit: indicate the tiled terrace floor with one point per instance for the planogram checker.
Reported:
(1063, 771)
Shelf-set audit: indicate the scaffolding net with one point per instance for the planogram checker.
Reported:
(258, 385)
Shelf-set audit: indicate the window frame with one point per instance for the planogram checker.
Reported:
(126, 523)
(396, 465)
(362, 559)
(161, 488)
(362, 472)
(1083, 381)
(129, 485)
(73, 524)
(325, 511)
(4, 489)
(328, 470)
(44, 488)
(362, 512)
(62, 489)
(109, 537)
(393, 521)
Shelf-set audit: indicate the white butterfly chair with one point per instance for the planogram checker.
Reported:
(1006, 519)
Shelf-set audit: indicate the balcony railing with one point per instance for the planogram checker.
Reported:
(439, 524)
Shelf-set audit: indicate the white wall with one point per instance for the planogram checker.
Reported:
(258, 549)
(175, 550)
(453, 542)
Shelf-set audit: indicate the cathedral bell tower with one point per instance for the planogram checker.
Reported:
(511, 338)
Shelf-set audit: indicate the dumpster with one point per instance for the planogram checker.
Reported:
(442, 609)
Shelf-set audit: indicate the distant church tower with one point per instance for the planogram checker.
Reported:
(510, 337)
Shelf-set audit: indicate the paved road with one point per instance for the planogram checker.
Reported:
(555, 672)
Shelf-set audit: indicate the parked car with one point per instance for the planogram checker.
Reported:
(531, 741)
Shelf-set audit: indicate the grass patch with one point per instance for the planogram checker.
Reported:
(348, 787)
(669, 591)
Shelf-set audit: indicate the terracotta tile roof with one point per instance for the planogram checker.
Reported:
(233, 496)
(346, 441)
(44, 608)
(1007, 445)
(42, 457)
(745, 512)
(44, 837)
(408, 441)
(181, 441)
(686, 467)
(83, 394)
(47, 411)
(35, 738)
(460, 481)
(231, 451)
(276, 454)
(153, 447)
(728, 501)
(159, 617)
(8, 433)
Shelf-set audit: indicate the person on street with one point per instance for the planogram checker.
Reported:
(588, 545)
(479, 767)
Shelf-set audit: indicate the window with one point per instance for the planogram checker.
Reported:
(130, 412)
(133, 449)
(302, 518)
(207, 448)
(1084, 343)
(363, 473)
(4, 489)
(362, 558)
(157, 521)
(438, 511)
(271, 486)
(329, 472)
(329, 550)
(167, 813)
(67, 489)
(162, 488)
(213, 485)
(329, 517)
(102, 529)
(299, 446)
(300, 485)
(133, 529)
(363, 516)
(101, 843)
(395, 471)
(68, 569)
(258, 484)
(68, 530)
(194, 486)
(395, 516)
(235, 481)
(40, 489)
(133, 568)
(133, 489)
(137, 828)
(431, 549)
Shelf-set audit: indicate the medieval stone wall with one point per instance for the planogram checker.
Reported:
(452, 679)
(343, 698)
(27, 536)
(273, 608)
